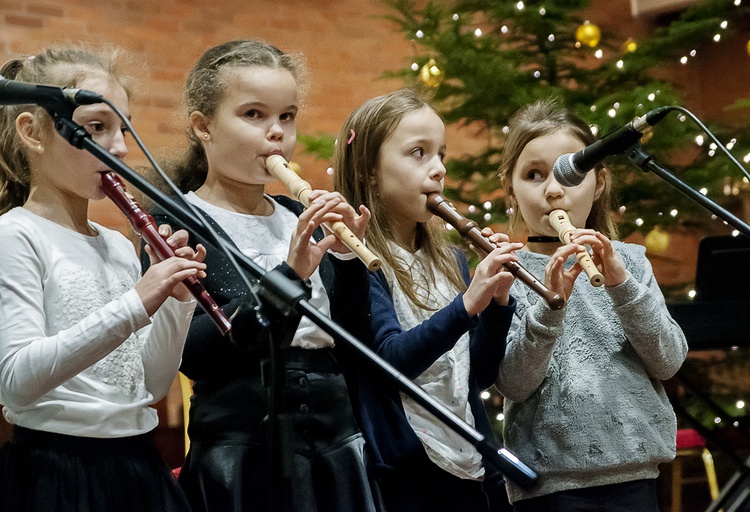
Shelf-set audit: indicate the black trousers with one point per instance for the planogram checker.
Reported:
(640, 495)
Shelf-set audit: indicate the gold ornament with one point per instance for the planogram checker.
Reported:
(295, 167)
(748, 47)
(629, 46)
(430, 74)
(657, 241)
(588, 34)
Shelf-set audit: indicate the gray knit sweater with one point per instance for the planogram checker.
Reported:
(584, 402)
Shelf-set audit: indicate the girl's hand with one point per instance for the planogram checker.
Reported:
(164, 279)
(604, 256)
(357, 223)
(556, 278)
(304, 253)
(491, 280)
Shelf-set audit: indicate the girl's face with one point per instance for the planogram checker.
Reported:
(76, 172)
(255, 118)
(537, 192)
(411, 167)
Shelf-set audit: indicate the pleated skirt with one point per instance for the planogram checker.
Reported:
(42, 471)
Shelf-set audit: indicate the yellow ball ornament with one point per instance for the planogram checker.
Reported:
(748, 47)
(657, 241)
(588, 34)
(629, 46)
(430, 74)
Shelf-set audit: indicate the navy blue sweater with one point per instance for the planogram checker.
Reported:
(390, 439)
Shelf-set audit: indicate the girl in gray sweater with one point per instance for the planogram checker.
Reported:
(584, 403)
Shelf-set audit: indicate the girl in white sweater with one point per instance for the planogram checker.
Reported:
(86, 344)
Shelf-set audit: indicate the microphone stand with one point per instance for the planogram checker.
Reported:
(288, 297)
(736, 491)
(645, 161)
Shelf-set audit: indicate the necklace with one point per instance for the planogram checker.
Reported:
(542, 239)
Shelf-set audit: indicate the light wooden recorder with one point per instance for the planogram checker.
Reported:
(300, 189)
(560, 221)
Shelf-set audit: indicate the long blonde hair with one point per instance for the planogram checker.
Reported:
(539, 119)
(355, 178)
(59, 66)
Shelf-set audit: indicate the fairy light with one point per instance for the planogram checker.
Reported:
(622, 209)
(717, 420)
(593, 108)
(740, 404)
(691, 294)
(455, 17)
(329, 171)
(703, 191)
(746, 158)
(651, 97)
(551, 38)
(735, 232)
(542, 11)
(717, 38)
(673, 213)
(599, 53)
(639, 222)
(537, 74)
(737, 2)
(487, 205)
(414, 66)
(700, 140)
(472, 208)
(620, 64)
(487, 216)
(506, 130)
(612, 112)
(419, 34)
(724, 24)
(683, 60)
(504, 29)
(485, 395)
(500, 417)
(520, 6)
(478, 32)
(693, 53)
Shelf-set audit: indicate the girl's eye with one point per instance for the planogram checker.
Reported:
(441, 154)
(94, 127)
(417, 152)
(253, 113)
(535, 175)
(288, 116)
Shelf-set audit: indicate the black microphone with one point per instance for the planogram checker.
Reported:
(13, 92)
(570, 169)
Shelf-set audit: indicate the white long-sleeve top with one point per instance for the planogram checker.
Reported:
(78, 353)
(584, 401)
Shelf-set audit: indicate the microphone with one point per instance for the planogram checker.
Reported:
(13, 92)
(570, 169)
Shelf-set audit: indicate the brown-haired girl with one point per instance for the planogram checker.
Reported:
(584, 405)
(242, 100)
(430, 321)
(86, 343)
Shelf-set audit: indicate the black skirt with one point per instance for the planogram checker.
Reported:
(319, 463)
(43, 471)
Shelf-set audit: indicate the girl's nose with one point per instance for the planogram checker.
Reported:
(553, 189)
(275, 131)
(438, 171)
(119, 148)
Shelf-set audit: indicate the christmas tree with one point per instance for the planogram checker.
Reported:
(484, 59)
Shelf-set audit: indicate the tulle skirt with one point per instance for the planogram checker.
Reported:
(42, 471)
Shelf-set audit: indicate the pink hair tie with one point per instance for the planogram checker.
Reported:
(351, 137)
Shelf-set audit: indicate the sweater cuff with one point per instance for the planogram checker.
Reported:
(623, 293)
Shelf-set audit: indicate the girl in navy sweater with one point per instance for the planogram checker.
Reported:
(432, 322)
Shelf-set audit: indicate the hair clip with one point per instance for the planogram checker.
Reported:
(351, 137)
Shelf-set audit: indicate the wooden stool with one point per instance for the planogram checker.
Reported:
(690, 444)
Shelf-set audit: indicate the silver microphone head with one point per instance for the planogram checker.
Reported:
(566, 172)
